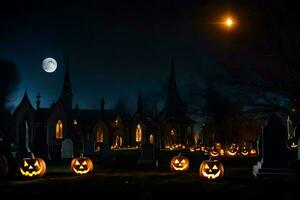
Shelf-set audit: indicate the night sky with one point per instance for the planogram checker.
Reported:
(117, 47)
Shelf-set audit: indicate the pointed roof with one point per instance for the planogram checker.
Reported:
(67, 87)
(25, 101)
(173, 102)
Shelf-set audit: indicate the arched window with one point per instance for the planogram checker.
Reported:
(173, 131)
(138, 133)
(59, 130)
(151, 139)
(99, 135)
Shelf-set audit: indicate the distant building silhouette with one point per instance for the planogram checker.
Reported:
(48, 127)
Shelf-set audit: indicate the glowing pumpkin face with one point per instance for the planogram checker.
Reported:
(179, 163)
(292, 143)
(214, 153)
(253, 151)
(231, 152)
(211, 170)
(244, 152)
(32, 167)
(82, 165)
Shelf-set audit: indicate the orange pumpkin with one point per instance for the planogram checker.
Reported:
(214, 152)
(179, 163)
(32, 167)
(253, 151)
(211, 170)
(82, 165)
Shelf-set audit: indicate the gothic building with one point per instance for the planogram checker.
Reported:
(42, 130)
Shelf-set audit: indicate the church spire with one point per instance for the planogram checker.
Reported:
(174, 102)
(66, 94)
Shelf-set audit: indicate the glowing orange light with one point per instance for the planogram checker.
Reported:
(229, 22)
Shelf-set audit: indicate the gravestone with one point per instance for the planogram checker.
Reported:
(274, 160)
(147, 155)
(67, 149)
(88, 147)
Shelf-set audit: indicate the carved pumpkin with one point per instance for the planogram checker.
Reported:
(232, 151)
(82, 165)
(214, 152)
(211, 170)
(253, 151)
(244, 151)
(32, 167)
(179, 163)
(3, 166)
(292, 143)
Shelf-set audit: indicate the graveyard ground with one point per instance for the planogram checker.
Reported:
(238, 183)
(123, 179)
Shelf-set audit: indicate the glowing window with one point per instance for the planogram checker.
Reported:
(99, 135)
(138, 133)
(75, 122)
(173, 131)
(59, 130)
(151, 139)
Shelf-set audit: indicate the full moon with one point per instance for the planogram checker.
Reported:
(49, 65)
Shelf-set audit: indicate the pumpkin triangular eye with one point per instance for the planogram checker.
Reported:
(25, 164)
(183, 161)
(36, 164)
(84, 163)
(215, 167)
(176, 161)
(77, 162)
(206, 166)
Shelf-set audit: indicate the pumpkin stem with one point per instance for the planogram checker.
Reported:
(179, 154)
(32, 155)
(81, 155)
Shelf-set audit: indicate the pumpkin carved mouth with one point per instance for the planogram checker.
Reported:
(80, 171)
(33, 173)
(211, 176)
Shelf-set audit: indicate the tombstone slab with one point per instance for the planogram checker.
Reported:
(67, 149)
(274, 160)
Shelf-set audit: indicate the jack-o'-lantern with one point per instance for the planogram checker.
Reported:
(244, 151)
(32, 167)
(179, 163)
(211, 170)
(81, 165)
(214, 152)
(232, 151)
(292, 143)
(253, 151)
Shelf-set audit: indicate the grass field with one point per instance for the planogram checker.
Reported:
(122, 178)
